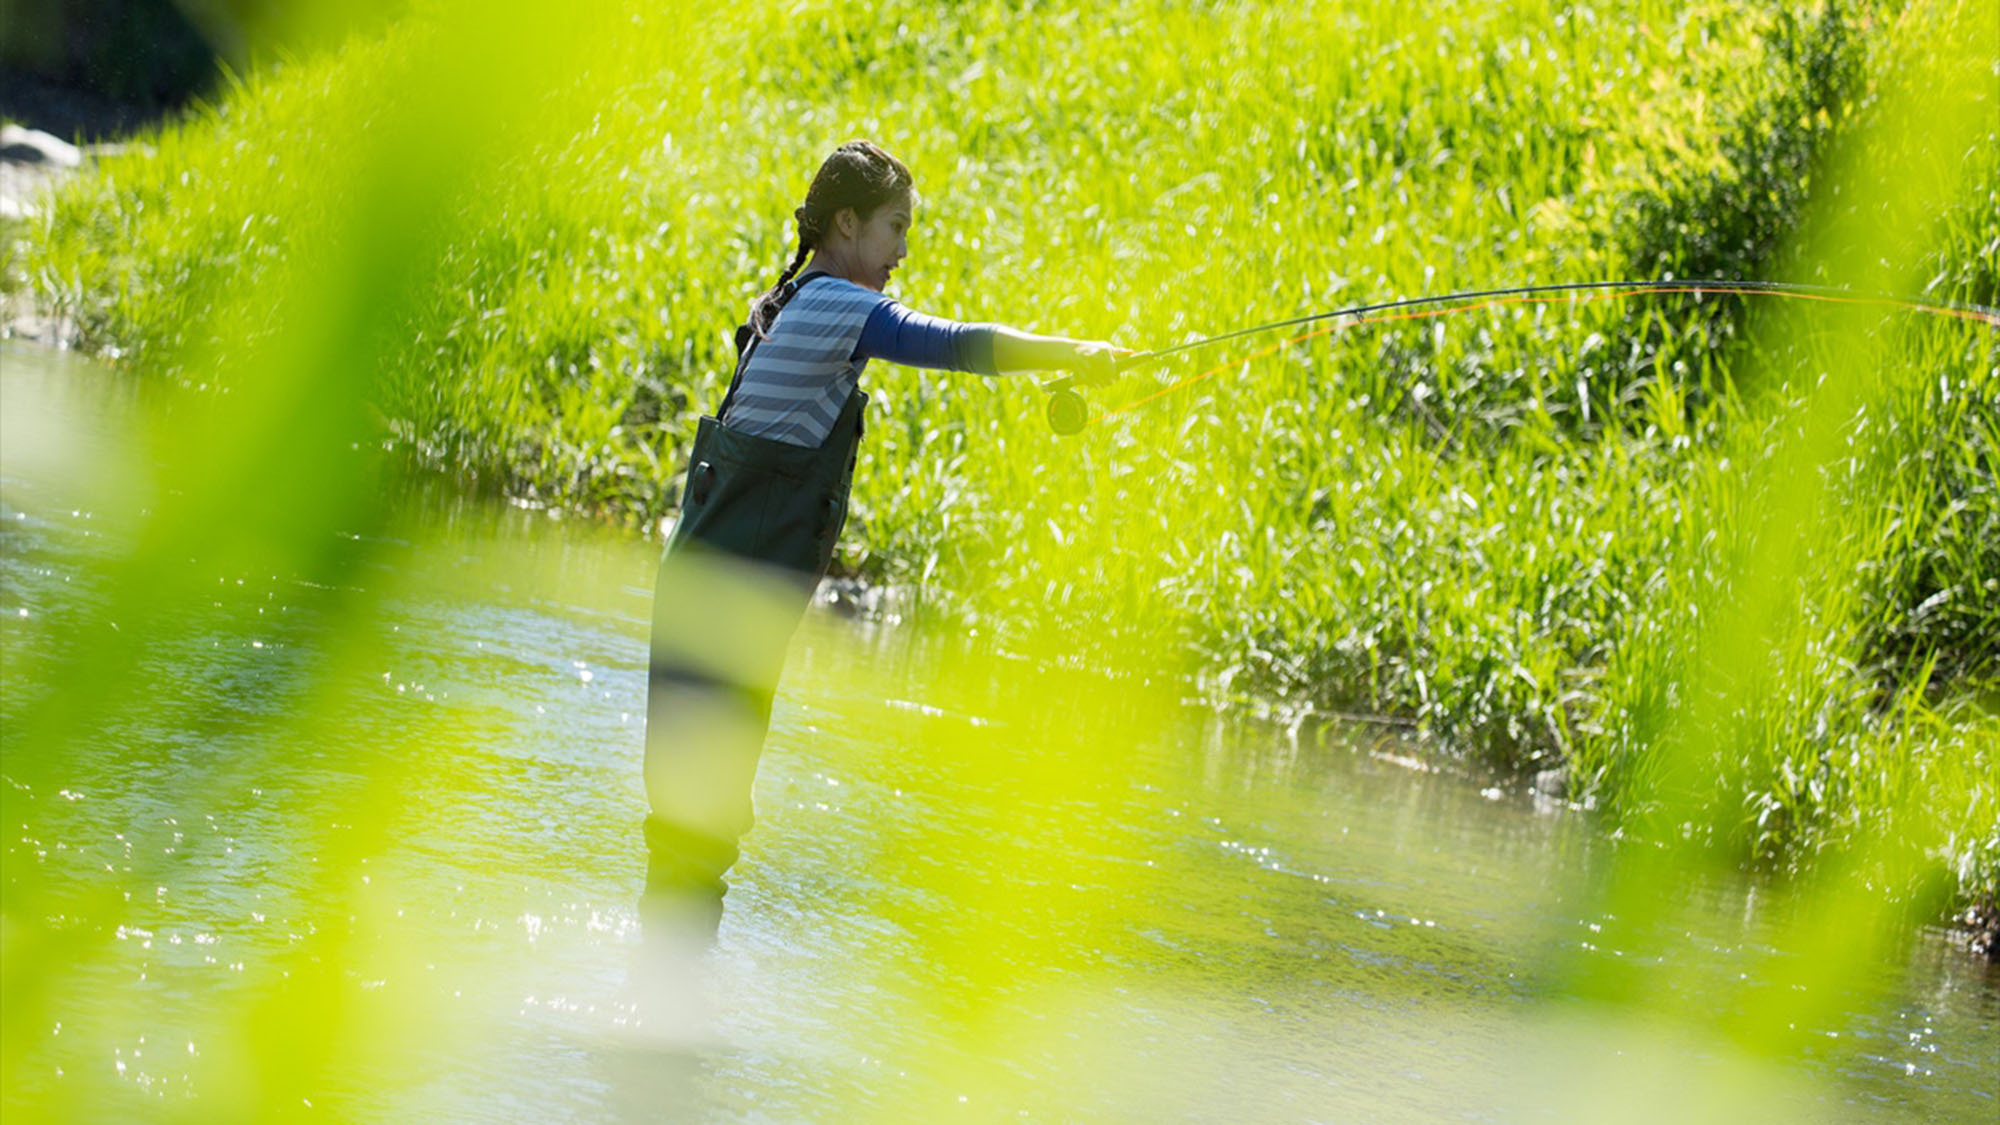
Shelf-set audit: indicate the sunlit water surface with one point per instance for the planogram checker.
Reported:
(979, 889)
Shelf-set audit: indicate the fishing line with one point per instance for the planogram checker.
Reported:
(1068, 413)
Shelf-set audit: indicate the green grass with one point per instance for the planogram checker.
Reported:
(1505, 526)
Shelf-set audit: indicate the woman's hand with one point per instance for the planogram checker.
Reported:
(1090, 362)
(1097, 362)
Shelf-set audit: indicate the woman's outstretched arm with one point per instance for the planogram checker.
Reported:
(1020, 351)
(914, 339)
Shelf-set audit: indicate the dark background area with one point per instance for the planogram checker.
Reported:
(95, 69)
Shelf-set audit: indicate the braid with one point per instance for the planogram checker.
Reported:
(762, 315)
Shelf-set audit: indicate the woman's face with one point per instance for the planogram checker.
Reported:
(880, 241)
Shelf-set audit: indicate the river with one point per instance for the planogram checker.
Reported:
(374, 854)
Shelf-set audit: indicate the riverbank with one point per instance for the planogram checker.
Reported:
(1512, 530)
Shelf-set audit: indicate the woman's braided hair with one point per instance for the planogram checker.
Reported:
(859, 175)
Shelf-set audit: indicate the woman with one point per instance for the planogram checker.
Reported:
(766, 497)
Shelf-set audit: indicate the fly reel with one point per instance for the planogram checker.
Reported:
(1068, 412)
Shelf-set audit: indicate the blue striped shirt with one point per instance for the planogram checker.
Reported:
(799, 377)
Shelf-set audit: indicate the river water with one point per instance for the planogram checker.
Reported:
(373, 854)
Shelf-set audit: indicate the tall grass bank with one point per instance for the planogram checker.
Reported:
(1724, 568)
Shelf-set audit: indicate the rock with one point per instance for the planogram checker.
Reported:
(848, 598)
(32, 163)
(1979, 929)
(854, 599)
(22, 187)
(29, 327)
(19, 145)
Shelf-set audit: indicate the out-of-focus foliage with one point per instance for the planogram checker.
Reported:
(1733, 570)
(1487, 523)
(276, 476)
(1497, 525)
(1492, 524)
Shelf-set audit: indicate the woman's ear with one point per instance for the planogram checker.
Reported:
(847, 222)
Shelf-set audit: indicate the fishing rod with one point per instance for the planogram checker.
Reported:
(1068, 412)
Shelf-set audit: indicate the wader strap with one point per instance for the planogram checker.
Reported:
(747, 338)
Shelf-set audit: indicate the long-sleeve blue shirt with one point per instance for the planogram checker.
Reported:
(800, 375)
(914, 339)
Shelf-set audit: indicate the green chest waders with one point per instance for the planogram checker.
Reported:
(759, 520)
(768, 502)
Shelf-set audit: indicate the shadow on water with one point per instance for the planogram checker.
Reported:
(981, 884)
